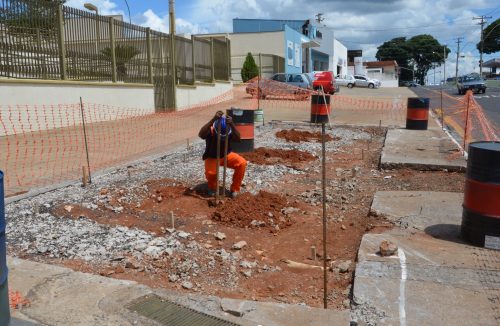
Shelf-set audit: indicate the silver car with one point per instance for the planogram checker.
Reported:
(345, 80)
(364, 81)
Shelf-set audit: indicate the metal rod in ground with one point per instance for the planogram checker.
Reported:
(323, 177)
(466, 122)
(226, 143)
(442, 114)
(85, 137)
(217, 164)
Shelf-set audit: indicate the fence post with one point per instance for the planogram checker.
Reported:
(62, 45)
(229, 72)
(113, 48)
(212, 58)
(193, 59)
(174, 70)
(150, 56)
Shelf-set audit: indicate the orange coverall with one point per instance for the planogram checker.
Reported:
(234, 161)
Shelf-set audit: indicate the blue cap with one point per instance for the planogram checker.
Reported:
(223, 126)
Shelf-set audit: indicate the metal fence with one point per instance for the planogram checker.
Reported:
(42, 39)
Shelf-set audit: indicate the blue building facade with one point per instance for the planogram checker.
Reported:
(294, 29)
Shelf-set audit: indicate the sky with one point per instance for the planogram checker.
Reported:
(358, 24)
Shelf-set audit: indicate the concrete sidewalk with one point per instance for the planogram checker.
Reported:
(428, 149)
(434, 278)
(60, 296)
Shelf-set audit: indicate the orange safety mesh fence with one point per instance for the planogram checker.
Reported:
(44, 144)
(477, 126)
(464, 117)
(284, 101)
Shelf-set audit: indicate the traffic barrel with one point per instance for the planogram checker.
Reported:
(320, 108)
(417, 113)
(244, 122)
(481, 207)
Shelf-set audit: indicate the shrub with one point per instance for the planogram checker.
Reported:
(250, 69)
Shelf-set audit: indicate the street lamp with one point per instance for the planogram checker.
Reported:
(128, 8)
(444, 62)
(92, 7)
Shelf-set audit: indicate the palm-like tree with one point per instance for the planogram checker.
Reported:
(123, 54)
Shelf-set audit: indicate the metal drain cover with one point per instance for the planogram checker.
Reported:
(169, 313)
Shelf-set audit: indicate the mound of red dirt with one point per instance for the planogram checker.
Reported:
(270, 156)
(264, 210)
(297, 136)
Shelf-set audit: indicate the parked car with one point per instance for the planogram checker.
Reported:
(324, 80)
(299, 80)
(410, 83)
(293, 83)
(471, 82)
(364, 81)
(345, 80)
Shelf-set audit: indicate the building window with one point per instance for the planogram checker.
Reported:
(319, 34)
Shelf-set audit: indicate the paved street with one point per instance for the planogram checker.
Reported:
(490, 101)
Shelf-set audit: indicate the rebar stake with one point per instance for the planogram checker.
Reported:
(84, 176)
(323, 177)
(172, 219)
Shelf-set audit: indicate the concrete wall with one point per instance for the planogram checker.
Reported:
(268, 42)
(40, 105)
(201, 93)
(339, 60)
(38, 92)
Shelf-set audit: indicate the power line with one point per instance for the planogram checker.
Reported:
(483, 21)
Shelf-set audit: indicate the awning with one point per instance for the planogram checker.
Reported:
(311, 44)
(493, 63)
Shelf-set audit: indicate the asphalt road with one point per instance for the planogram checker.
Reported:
(489, 101)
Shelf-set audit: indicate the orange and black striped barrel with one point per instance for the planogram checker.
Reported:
(481, 208)
(244, 123)
(417, 113)
(320, 108)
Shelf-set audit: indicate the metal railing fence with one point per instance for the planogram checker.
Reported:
(203, 60)
(42, 39)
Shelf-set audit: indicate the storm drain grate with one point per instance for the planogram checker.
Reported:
(169, 313)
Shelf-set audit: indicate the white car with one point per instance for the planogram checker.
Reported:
(364, 81)
(345, 80)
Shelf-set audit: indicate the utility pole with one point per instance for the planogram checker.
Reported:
(483, 21)
(171, 12)
(459, 40)
(319, 18)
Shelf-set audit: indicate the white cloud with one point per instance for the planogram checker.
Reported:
(152, 20)
(358, 24)
(105, 7)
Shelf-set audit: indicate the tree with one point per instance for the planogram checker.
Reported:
(426, 51)
(31, 17)
(491, 38)
(418, 53)
(250, 69)
(123, 54)
(397, 49)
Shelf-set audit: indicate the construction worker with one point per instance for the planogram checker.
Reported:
(234, 161)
